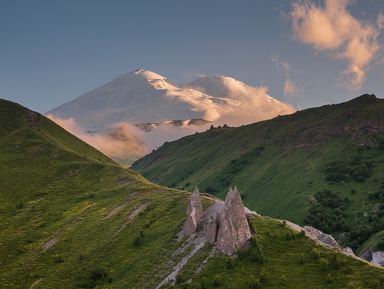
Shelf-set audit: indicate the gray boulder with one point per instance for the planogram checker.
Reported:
(234, 230)
(378, 258)
(194, 213)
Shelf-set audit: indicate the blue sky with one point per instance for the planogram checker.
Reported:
(53, 51)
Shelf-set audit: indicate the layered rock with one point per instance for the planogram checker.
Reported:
(194, 213)
(234, 230)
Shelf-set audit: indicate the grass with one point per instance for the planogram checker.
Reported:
(279, 165)
(287, 260)
(63, 206)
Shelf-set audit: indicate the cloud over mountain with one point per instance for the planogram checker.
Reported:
(148, 109)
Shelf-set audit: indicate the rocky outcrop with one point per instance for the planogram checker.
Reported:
(234, 230)
(378, 258)
(321, 237)
(224, 224)
(194, 213)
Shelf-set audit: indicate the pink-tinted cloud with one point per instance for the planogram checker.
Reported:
(330, 27)
(121, 141)
(290, 88)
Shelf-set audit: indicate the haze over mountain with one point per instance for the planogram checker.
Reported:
(142, 109)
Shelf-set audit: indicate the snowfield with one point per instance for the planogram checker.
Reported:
(162, 111)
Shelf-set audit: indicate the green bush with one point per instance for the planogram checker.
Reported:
(254, 285)
(327, 214)
(19, 205)
(57, 258)
(315, 254)
(229, 263)
(354, 169)
(324, 264)
(139, 240)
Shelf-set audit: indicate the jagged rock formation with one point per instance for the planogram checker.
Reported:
(194, 213)
(234, 230)
(224, 225)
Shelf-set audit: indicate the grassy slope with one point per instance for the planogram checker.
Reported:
(289, 256)
(278, 164)
(54, 187)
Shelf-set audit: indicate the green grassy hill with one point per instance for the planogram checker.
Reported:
(72, 218)
(321, 166)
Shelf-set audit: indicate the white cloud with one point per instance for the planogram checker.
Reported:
(330, 27)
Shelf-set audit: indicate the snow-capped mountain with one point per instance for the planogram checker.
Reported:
(140, 97)
(155, 110)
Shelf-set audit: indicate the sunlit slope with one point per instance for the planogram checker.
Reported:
(71, 218)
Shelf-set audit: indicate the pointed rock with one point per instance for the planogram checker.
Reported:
(234, 230)
(194, 213)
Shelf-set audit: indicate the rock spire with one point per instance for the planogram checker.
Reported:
(234, 230)
(194, 213)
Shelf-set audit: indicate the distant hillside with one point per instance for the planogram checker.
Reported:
(72, 218)
(321, 166)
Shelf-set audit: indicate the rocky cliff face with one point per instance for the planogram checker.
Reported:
(234, 230)
(194, 213)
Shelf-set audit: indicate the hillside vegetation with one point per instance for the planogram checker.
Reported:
(321, 166)
(72, 218)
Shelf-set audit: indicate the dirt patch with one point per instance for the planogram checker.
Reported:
(197, 242)
(120, 207)
(33, 118)
(49, 244)
(137, 210)
(35, 283)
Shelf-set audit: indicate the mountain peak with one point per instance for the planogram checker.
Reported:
(365, 98)
(147, 74)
